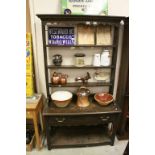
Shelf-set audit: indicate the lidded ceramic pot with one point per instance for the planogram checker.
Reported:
(82, 94)
(79, 59)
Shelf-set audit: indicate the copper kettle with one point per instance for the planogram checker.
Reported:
(56, 78)
(82, 94)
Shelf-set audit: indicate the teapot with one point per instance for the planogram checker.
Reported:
(57, 59)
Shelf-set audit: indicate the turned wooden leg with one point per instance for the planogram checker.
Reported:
(42, 122)
(113, 133)
(48, 129)
(38, 140)
(41, 116)
(115, 125)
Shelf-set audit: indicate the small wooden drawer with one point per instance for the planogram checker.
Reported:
(29, 114)
(79, 120)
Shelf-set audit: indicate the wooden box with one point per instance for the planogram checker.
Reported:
(85, 35)
(104, 35)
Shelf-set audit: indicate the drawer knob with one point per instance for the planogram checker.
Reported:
(60, 120)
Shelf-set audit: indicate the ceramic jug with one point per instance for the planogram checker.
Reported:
(96, 61)
(105, 58)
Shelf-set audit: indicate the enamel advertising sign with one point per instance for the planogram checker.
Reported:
(61, 36)
(84, 7)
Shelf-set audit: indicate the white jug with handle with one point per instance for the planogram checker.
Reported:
(105, 58)
(97, 61)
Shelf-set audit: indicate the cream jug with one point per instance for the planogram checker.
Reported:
(96, 61)
(105, 58)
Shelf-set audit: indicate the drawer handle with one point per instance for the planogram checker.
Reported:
(60, 120)
(104, 119)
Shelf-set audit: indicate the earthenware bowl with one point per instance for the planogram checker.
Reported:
(103, 98)
(61, 98)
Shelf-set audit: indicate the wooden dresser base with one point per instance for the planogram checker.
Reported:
(77, 129)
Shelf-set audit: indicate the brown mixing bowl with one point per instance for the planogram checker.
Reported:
(103, 98)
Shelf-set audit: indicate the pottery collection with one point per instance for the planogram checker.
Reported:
(83, 92)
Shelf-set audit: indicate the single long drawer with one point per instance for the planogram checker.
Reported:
(79, 120)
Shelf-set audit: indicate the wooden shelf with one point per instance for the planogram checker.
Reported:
(79, 136)
(74, 67)
(78, 84)
(104, 46)
(114, 20)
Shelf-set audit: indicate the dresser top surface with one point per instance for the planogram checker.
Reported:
(73, 109)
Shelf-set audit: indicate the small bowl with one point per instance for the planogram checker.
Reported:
(103, 98)
(61, 98)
